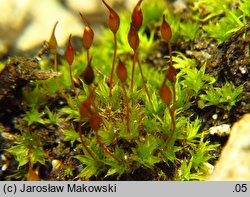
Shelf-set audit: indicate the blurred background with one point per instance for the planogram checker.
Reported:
(26, 24)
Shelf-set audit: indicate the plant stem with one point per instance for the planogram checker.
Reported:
(143, 79)
(88, 57)
(55, 62)
(170, 53)
(73, 84)
(105, 149)
(83, 143)
(174, 93)
(113, 66)
(133, 74)
(173, 108)
(96, 109)
(127, 106)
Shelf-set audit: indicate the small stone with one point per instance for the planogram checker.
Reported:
(215, 116)
(243, 70)
(56, 164)
(234, 163)
(221, 130)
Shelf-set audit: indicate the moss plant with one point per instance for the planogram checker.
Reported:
(230, 20)
(224, 97)
(28, 151)
(114, 23)
(115, 135)
(53, 46)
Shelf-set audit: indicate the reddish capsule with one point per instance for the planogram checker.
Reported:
(137, 17)
(166, 31)
(88, 34)
(114, 19)
(133, 38)
(85, 108)
(70, 53)
(88, 37)
(121, 71)
(171, 74)
(95, 121)
(165, 94)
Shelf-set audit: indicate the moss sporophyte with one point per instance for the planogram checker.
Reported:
(116, 119)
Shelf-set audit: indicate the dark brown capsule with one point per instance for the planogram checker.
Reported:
(88, 74)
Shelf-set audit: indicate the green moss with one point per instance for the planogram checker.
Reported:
(150, 125)
(28, 149)
(225, 97)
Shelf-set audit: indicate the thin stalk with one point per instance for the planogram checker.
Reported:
(170, 53)
(170, 60)
(55, 62)
(133, 74)
(127, 106)
(96, 109)
(173, 108)
(113, 66)
(83, 143)
(88, 56)
(105, 149)
(174, 93)
(73, 84)
(143, 79)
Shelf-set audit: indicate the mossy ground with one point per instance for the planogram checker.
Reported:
(207, 58)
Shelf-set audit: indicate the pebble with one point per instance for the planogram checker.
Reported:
(221, 130)
(234, 162)
(56, 164)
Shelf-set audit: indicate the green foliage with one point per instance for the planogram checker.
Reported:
(152, 11)
(115, 167)
(225, 97)
(52, 118)
(223, 18)
(189, 30)
(28, 149)
(70, 135)
(212, 8)
(34, 98)
(144, 152)
(92, 167)
(200, 154)
(186, 171)
(71, 111)
(33, 116)
(108, 137)
(245, 8)
(201, 80)
(117, 150)
(192, 131)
